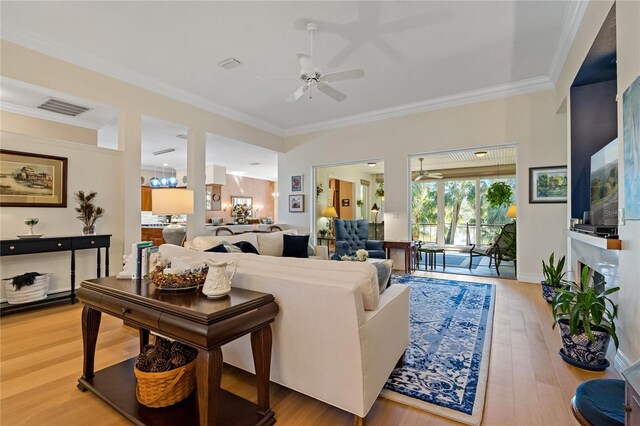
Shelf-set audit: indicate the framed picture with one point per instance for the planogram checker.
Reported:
(296, 183)
(548, 184)
(631, 138)
(32, 180)
(296, 203)
(346, 202)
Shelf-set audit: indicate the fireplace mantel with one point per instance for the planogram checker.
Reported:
(599, 242)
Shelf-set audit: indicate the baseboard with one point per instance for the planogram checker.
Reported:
(621, 362)
(530, 278)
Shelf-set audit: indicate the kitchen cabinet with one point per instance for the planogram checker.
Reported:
(145, 192)
(152, 234)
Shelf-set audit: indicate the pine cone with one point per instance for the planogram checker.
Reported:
(190, 353)
(160, 365)
(143, 363)
(147, 348)
(163, 343)
(178, 360)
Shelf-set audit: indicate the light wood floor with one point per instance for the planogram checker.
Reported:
(41, 356)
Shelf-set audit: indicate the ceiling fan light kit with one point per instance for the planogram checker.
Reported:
(312, 77)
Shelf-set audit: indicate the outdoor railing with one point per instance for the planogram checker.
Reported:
(465, 233)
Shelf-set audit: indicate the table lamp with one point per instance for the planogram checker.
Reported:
(170, 201)
(376, 210)
(330, 212)
(511, 212)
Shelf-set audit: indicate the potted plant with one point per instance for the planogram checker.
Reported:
(323, 232)
(88, 213)
(585, 316)
(499, 194)
(359, 203)
(380, 191)
(553, 278)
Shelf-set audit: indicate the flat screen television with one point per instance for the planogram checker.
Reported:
(604, 185)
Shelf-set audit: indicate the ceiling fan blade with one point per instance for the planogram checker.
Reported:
(306, 64)
(332, 93)
(297, 94)
(343, 75)
(435, 175)
(419, 177)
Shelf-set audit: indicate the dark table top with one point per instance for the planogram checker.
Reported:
(191, 304)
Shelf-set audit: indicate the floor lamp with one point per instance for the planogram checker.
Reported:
(330, 213)
(172, 201)
(376, 210)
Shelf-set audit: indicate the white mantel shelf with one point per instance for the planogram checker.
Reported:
(603, 243)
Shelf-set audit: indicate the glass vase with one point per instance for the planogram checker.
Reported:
(89, 230)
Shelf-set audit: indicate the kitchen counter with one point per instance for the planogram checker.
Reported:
(245, 228)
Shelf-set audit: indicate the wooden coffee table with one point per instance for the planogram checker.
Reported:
(191, 318)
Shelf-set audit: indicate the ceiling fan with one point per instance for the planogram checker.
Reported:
(312, 77)
(422, 174)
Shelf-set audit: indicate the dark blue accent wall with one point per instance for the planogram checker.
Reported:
(594, 123)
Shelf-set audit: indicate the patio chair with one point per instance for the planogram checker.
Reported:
(503, 249)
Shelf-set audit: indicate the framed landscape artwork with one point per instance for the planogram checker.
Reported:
(296, 183)
(548, 184)
(631, 137)
(32, 180)
(296, 203)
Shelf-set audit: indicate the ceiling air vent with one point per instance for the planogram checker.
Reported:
(62, 107)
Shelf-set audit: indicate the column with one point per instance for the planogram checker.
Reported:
(129, 141)
(196, 180)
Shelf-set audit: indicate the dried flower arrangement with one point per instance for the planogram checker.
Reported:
(190, 279)
(88, 213)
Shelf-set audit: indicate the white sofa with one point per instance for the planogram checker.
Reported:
(267, 243)
(335, 338)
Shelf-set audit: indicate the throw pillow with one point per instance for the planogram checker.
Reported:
(246, 247)
(225, 247)
(384, 273)
(217, 249)
(295, 246)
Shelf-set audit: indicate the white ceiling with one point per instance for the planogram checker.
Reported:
(412, 52)
(158, 135)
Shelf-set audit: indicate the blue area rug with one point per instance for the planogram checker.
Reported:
(447, 361)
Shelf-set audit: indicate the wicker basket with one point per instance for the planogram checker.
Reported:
(166, 388)
(31, 293)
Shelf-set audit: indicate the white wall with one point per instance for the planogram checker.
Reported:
(90, 169)
(628, 55)
(529, 121)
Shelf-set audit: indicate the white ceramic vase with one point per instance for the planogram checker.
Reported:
(218, 282)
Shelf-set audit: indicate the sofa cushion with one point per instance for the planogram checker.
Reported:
(206, 241)
(295, 246)
(270, 243)
(225, 247)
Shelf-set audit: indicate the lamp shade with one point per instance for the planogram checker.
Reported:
(171, 201)
(375, 208)
(330, 212)
(511, 212)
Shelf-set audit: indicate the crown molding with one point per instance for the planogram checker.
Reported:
(570, 24)
(32, 41)
(44, 115)
(473, 96)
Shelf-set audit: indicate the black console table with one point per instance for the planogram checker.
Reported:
(56, 244)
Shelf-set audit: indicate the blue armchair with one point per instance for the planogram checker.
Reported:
(352, 235)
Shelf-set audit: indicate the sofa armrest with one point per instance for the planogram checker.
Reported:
(384, 337)
(342, 248)
(189, 245)
(373, 245)
(321, 252)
